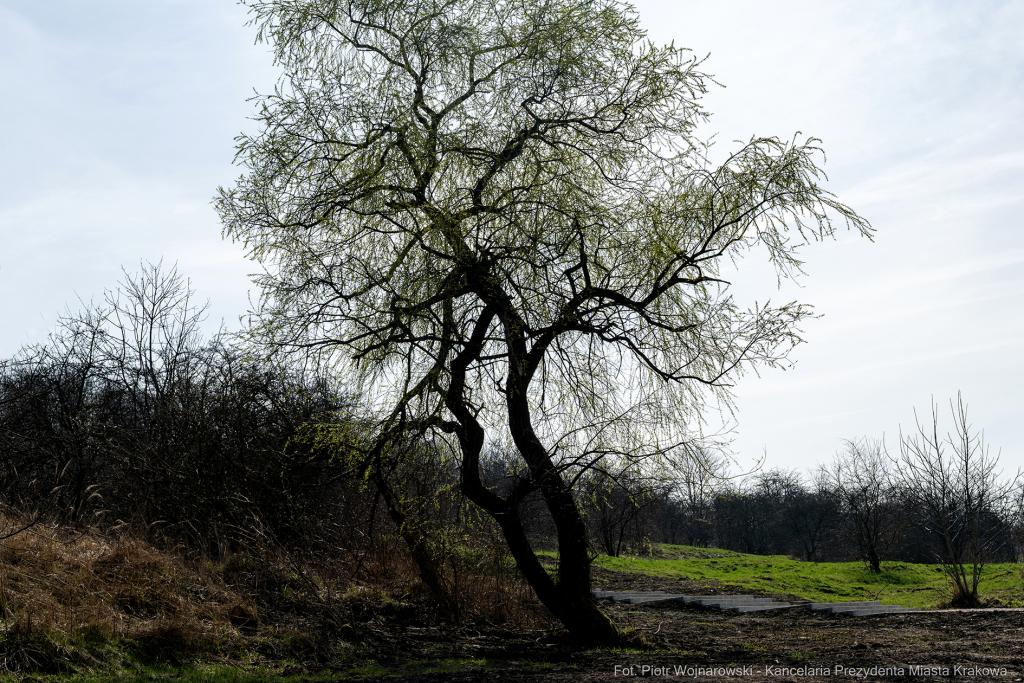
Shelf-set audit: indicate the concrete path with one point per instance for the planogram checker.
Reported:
(748, 603)
(860, 609)
(736, 603)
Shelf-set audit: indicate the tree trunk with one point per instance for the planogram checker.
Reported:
(874, 562)
(569, 598)
(417, 542)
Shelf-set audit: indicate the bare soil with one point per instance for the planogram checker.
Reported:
(686, 641)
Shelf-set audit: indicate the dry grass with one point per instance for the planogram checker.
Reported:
(482, 580)
(61, 590)
(71, 600)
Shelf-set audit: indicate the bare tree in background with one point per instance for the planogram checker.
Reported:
(696, 485)
(861, 477)
(617, 506)
(811, 514)
(962, 499)
(794, 511)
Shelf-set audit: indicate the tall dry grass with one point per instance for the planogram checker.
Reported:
(61, 590)
(71, 599)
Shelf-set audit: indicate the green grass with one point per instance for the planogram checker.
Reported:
(910, 585)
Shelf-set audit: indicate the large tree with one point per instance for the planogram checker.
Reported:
(496, 220)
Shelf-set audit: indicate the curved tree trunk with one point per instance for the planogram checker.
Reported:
(569, 598)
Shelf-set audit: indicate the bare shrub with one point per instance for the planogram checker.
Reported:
(862, 479)
(960, 496)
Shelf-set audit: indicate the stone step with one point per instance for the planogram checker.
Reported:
(736, 603)
(716, 599)
(726, 604)
(650, 598)
(743, 604)
(873, 611)
(743, 609)
(859, 609)
(831, 606)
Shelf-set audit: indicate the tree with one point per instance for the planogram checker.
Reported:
(696, 485)
(960, 496)
(809, 514)
(496, 221)
(861, 478)
(616, 507)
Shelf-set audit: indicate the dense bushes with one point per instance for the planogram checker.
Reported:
(127, 420)
(125, 416)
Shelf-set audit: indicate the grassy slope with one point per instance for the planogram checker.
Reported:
(910, 585)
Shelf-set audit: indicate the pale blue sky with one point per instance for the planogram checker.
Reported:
(118, 118)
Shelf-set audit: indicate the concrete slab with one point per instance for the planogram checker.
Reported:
(882, 609)
(829, 606)
(743, 609)
(726, 604)
(650, 598)
(736, 603)
(744, 604)
(718, 599)
(873, 611)
(859, 609)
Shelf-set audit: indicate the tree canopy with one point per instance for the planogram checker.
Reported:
(497, 222)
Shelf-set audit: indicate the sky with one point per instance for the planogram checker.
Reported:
(119, 120)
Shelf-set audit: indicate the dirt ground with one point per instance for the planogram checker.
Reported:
(697, 644)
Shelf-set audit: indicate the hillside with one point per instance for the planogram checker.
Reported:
(904, 583)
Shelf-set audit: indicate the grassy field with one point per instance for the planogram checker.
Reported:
(910, 585)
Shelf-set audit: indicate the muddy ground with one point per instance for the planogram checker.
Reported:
(787, 645)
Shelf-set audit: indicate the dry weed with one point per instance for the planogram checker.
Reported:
(71, 599)
(60, 590)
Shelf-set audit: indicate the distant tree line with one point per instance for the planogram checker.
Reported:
(864, 505)
(940, 499)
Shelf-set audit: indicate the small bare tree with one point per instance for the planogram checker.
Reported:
(697, 483)
(954, 484)
(860, 476)
(810, 514)
(617, 506)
